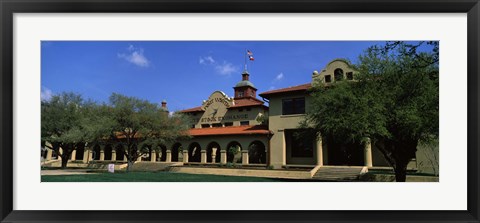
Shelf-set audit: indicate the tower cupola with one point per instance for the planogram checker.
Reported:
(245, 88)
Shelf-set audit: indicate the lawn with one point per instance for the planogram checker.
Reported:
(151, 177)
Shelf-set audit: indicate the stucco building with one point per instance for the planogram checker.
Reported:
(242, 129)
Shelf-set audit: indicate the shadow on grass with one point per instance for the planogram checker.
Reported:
(153, 177)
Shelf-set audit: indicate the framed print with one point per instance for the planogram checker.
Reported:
(46, 46)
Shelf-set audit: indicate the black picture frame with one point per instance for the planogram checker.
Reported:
(9, 7)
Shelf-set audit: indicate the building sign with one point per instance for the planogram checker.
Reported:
(223, 118)
(217, 98)
(216, 108)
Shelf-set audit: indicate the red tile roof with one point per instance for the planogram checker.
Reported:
(196, 109)
(242, 102)
(231, 130)
(246, 102)
(302, 87)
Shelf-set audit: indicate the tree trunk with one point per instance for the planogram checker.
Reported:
(400, 172)
(64, 161)
(130, 165)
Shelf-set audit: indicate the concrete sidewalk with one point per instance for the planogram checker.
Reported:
(66, 172)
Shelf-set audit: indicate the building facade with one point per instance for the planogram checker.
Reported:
(243, 130)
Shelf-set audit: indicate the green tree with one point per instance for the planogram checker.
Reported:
(135, 122)
(65, 125)
(393, 101)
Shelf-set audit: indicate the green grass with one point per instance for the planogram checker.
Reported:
(151, 177)
(392, 173)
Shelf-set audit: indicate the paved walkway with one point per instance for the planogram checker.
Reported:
(66, 172)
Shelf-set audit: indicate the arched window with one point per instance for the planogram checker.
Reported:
(338, 73)
(210, 148)
(257, 152)
(194, 151)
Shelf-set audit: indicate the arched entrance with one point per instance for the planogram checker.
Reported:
(96, 152)
(146, 152)
(79, 153)
(257, 153)
(163, 153)
(120, 152)
(234, 154)
(194, 152)
(175, 150)
(210, 148)
(107, 150)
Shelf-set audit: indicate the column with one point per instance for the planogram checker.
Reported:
(244, 157)
(319, 151)
(223, 156)
(114, 154)
(49, 154)
(214, 154)
(60, 152)
(185, 156)
(102, 153)
(367, 152)
(204, 156)
(85, 155)
(153, 156)
(74, 153)
(125, 157)
(168, 159)
(90, 156)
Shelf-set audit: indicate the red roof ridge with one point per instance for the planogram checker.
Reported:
(198, 108)
(287, 89)
(231, 130)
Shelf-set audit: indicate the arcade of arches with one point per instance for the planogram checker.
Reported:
(244, 150)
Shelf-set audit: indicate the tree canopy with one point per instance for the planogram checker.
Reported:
(393, 101)
(69, 122)
(63, 124)
(138, 123)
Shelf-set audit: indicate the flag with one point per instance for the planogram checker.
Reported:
(250, 55)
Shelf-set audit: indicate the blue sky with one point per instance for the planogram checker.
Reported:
(182, 72)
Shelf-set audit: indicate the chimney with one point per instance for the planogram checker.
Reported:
(164, 104)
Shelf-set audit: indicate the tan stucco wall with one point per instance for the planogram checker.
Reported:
(319, 77)
(277, 124)
(428, 158)
(252, 116)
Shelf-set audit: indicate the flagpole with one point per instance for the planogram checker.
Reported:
(245, 65)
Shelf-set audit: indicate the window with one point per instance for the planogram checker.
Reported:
(192, 126)
(328, 78)
(249, 109)
(244, 123)
(338, 74)
(240, 110)
(216, 125)
(228, 124)
(293, 106)
(300, 142)
(240, 94)
(349, 75)
(205, 125)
